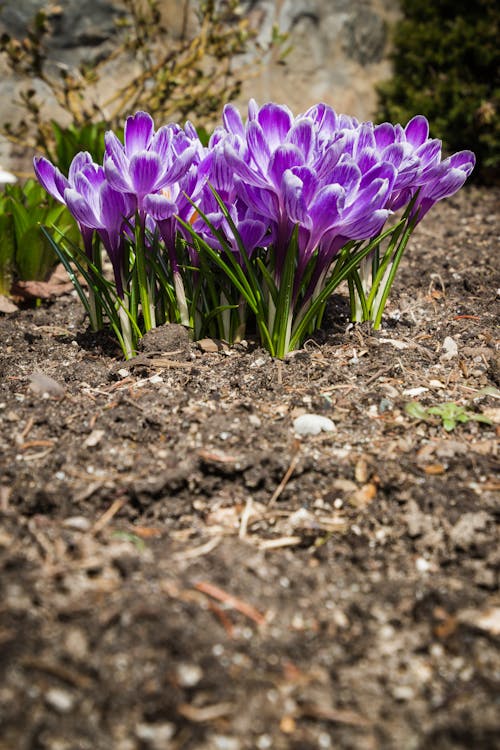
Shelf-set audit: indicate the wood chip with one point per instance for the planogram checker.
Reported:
(203, 714)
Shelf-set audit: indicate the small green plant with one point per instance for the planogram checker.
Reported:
(25, 252)
(65, 142)
(450, 413)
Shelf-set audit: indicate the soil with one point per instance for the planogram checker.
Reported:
(181, 571)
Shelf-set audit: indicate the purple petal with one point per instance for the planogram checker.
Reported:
(330, 158)
(303, 136)
(384, 135)
(80, 209)
(253, 109)
(367, 159)
(347, 122)
(366, 138)
(346, 174)
(366, 226)
(275, 121)
(139, 129)
(285, 157)
(232, 120)
(394, 154)
(324, 118)
(88, 191)
(50, 178)
(179, 167)
(309, 181)
(191, 131)
(263, 201)
(449, 183)
(382, 171)
(465, 160)
(252, 233)
(417, 130)
(162, 141)
(429, 153)
(145, 169)
(80, 161)
(118, 180)
(113, 209)
(159, 206)
(325, 211)
(241, 169)
(221, 176)
(258, 147)
(296, 207)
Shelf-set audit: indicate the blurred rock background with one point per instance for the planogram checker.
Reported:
(334, 51)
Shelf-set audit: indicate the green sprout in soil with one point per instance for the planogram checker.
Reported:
(449, 412)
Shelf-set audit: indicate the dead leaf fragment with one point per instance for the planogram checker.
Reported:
(435, 469)
(362, 497)
(7, 306)
(487, 619)
(208, 345)
(204, 713)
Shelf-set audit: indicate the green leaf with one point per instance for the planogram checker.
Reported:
(34, 255)
(7, 253)
(416, 410)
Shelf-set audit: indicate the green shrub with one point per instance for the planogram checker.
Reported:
(446, 60)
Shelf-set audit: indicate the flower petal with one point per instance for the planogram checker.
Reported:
(139, 129)
(384, 135)
(80, 209)
(159, 206)
(258, 146)
(303, 136)
(50, 178)
(81, 160)
(285, 157)
(417, 130)
(145, 169)
(276, 121)
(232, 120)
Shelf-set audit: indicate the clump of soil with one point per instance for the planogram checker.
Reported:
(180, 571)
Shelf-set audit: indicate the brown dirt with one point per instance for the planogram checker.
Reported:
(179, 571)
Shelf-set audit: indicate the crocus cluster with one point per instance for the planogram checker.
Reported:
(255, 230)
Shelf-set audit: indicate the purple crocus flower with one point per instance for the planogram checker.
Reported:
(263, 151)
(98, 207)
(55, 183)
(443, 180)
(350, 207)
(252, 228)
(417, 159)
(92, 201)
(148, 161)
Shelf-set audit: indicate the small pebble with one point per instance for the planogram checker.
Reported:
(312, 424)
(43, 385)
(189, 675)
(155, 735)
(60, 700)
(94, 439)
(78, 523)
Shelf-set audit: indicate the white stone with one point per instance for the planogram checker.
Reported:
(312, 424)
